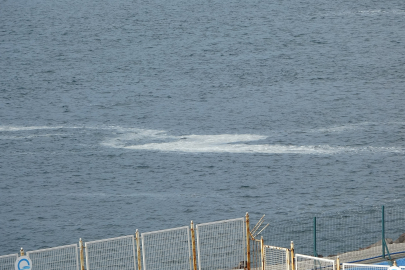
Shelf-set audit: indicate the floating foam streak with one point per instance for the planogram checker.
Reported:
(224, 143)
(158, 140)
(205, 143)
(19, 128)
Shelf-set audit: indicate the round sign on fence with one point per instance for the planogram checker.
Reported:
(394, 268)
(23, 263)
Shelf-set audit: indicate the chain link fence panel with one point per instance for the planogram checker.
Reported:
(167, 249)
(7, 262)
(222, 244)
(112, 254)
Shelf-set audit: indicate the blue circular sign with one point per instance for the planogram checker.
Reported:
(394, 268)
(23, 263)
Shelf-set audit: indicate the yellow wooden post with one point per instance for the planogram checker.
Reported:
(247, 242)
(81, 254)
(138, 249)
(262, 253)
(337, 263)
(193, 246)
(292, 256)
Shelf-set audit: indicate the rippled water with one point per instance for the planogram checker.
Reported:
(126, 115)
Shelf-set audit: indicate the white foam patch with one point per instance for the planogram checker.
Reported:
(158, 140)
(203, 146)
(224, 143)
(205, 143)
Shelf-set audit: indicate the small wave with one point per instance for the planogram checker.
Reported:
(108, 195)
(366, 12)
(20, 128)
(33, 128)
(33, 132)
(381, 11)
(353, 127)
(338, 129)
(20, 137)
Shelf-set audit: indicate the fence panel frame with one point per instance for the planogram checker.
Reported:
(219, 222)
(287, 256)
(54, 249)
(5, 258)
(107, 240)
(368, 266)
(163, 231)
(333, 262)
(256, 256)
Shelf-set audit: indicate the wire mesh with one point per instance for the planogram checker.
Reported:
(221, 245)
(7, 261)
(255, 254)
(64, 257)
(167, 249)
(276, 258)
(352, 266)
(353, 235)
(112, 254)
(300, 230)
(303, 262)
(394, 230)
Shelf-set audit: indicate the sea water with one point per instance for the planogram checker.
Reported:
(124, 115)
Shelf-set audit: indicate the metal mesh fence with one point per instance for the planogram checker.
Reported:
(349, 234)
(352, 266)
(393, 217)
(276, 258)
(167, 249)
(299, 230)
(112, 254)
(7, 262)
(221, 245)
(355, 235)
(395, 231)
(303, 262)
(64, 257)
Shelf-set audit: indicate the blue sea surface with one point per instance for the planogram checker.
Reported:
(128, 114)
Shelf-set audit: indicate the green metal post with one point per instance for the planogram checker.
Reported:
(385, 250)
(383, 232)
(315, 253)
